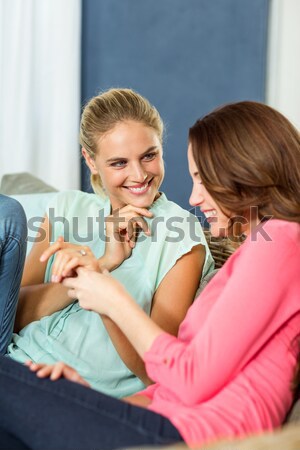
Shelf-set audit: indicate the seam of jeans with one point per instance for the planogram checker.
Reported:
(16, 237)
(18, 242)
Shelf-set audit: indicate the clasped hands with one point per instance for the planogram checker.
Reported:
(85, 276)
(122, 229)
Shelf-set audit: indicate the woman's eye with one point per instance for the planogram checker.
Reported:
(149, 156)
(118, 164)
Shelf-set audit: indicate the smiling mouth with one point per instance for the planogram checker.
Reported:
(210, 213)
(139, 188)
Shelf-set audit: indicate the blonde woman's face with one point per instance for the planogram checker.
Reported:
(129, 162)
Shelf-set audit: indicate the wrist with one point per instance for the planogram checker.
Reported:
(119, 306)
(107, 263)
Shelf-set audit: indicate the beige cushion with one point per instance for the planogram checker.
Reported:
(23, 183)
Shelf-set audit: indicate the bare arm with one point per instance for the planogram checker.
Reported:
(171, 301)
(37, 299)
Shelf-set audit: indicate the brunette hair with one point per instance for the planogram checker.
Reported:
(248, 154)
(104, 111)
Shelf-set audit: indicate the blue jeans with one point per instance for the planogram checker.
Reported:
(13, 234)
(55, 415)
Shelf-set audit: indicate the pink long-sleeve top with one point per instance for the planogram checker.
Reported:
(229, 372)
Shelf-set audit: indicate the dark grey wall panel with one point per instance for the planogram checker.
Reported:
(186, 56)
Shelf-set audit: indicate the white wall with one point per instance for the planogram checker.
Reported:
(40, 89)
(283, 72)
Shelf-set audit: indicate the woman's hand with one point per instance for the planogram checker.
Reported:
(94, 291)
(122, 229)
(105, 295)
(68, 258)
(56, 371)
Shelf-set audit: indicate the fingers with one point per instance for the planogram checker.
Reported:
(135, 226)
(79, 286)
(129, 230)
(89, 262)
(70, 374)
(130, 216)
(42, 370)
(71, 265)
(68, 259)
(72, 293)
(52, 249)
(59, 265)
(141, 223)
(56, 371)
(70, 283)
(127, 226)
(133, 209)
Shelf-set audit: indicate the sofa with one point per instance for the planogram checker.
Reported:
(34, 196)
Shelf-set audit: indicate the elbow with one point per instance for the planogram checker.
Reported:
(193, 389)
(146, 380)
(195, 392)
(191, 397)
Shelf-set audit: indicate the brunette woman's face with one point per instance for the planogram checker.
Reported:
(219, 222)
(129, 162)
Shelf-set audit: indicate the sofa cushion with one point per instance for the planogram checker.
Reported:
(23, 183)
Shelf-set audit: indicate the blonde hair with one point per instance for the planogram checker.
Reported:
(104, 111)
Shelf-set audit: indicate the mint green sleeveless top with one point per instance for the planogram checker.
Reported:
(78, 337)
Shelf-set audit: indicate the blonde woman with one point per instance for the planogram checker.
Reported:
(148, 243)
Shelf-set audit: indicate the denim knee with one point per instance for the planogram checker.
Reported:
(12, 219)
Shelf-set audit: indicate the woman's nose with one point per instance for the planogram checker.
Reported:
(196, 197)
(138, 173)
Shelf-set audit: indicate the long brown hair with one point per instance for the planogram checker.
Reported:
(248, 155)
